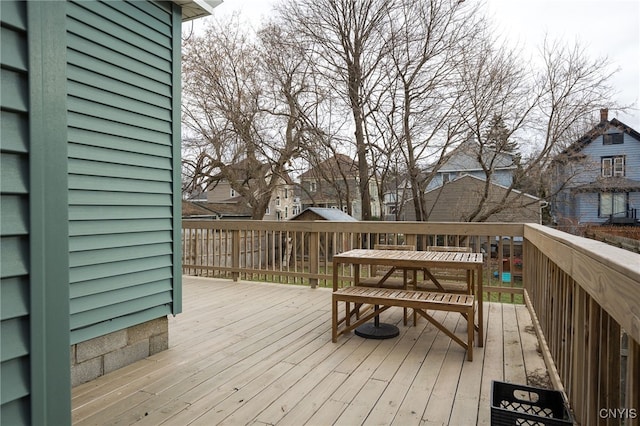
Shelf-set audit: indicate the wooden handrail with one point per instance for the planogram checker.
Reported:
(256, 249)
(584, 296)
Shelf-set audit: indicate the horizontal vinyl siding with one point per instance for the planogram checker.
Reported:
(14, 217)
(120, 165)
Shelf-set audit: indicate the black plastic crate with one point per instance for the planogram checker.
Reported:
(513, 405)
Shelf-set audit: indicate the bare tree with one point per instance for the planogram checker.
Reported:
(425, 45)
(347, 44)
(245, 99)
(509, 101)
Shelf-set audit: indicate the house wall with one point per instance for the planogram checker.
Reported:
(123, 164)
(584, 207)
(326, 195)
(34, 294)
(14, 215)
(281, 206)
(90, 190)
(221, 192)
(630, 148)
(501, 177)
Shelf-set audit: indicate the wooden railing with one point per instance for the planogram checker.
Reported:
(302, 252)
(583, 295)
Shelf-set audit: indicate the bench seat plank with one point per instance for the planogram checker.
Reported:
(420, 301)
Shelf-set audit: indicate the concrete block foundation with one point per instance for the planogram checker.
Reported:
(96, 357)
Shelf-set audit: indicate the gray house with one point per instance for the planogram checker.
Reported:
(90, 193)
(464, 161)
(598, 177)
(456, 200)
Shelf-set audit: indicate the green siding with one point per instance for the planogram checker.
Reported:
(122, 163)
(89, 186)
(14, 229)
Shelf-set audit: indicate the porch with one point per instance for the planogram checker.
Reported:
(247, 350)
(261, 353)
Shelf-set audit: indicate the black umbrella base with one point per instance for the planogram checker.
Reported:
(377, 331)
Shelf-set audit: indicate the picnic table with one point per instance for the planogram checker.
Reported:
(407, 260)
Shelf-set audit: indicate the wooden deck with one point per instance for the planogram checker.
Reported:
(256, 353)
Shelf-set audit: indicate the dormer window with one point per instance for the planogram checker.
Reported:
(612, 139)
(613, 166)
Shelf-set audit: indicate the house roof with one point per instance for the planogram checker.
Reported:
(332, 167)
(325, 213)
(467, 177)
(456, 200)
(609, 184)
(193, 9)
(465, 158)
(598, 130)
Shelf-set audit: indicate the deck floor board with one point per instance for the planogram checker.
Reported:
(261, 353)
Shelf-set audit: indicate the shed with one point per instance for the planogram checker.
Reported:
(323, 213)
(90, 193)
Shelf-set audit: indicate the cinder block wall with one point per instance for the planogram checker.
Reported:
(95, 357)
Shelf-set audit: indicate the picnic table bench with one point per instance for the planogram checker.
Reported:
(419, 301)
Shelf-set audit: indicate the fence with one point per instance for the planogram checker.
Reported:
(302, 252)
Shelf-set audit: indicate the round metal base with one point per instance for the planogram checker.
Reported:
(377, 331)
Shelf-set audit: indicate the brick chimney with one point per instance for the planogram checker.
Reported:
(604, 115)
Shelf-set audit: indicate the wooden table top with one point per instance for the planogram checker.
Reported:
(402, 258)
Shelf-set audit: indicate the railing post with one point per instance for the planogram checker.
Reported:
(314, 259)
(194, 251)
(235, 254)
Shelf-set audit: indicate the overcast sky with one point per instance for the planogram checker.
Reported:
(604, 27)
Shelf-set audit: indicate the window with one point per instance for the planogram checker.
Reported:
(286, 193)
(612, 203)
(232, 193)
(613, 166)
(277, 201)
(286, 212)
(447, 177)
(268, 211)
(613, 139)
(312, 186)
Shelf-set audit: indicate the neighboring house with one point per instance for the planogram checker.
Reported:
(464, 161)
(598, 177)
(282, 204)
(90, 193)
(456, 200)
(334, 183)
